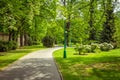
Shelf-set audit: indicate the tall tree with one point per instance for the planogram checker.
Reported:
(109, 24)
(92, 34)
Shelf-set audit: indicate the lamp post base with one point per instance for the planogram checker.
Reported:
(64, 56)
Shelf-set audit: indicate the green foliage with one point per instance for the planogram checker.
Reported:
(82, 49)
(56, 31)
(106, 46)
(117, 33)
(7, 45)
(107, 34)
(38, 18)
(26, 17)
(79, 31)
(48, 41)
(92, 48)
(79, 48)
(87, 49)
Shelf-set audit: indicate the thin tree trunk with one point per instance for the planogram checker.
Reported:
(92, 35)
(10, 36)
(21, 40)
(26, 39)
(68, 31)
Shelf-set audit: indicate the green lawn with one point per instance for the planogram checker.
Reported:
(11, 56)
(92, 66)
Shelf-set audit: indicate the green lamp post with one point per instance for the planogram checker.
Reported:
(65, 40)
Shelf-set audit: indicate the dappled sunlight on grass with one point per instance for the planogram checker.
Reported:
(92, 66)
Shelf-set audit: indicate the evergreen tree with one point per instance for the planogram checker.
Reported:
(109, 24)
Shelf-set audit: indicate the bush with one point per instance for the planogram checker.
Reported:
(106, 46)
(76, 47)
(90, 48)
(3, 46)
(7, 45)
(94, 47)
(79, 48)
(48, 41)
(87, 48)
(115, 45)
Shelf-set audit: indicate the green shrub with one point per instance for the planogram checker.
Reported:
(87, 49)
(48, 41)
(79, 48)
(7, 45)
(3, 46)
(94, 46)
(106, 46)
(76, 47)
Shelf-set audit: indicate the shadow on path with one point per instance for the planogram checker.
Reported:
(33, 68)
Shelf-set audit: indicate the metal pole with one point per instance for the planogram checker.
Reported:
(65, 32)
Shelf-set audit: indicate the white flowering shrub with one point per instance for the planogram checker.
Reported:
(106, 46)
(87, 48)
(79, 48)
(94, 46)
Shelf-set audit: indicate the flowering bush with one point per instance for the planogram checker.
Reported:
(106, 46)
(93, 47)
(87, 48)
(79, 48)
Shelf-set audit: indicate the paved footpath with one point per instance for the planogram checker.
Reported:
(37, 65)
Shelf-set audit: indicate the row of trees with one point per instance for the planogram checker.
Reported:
(92, 20)
(31, 19)
(85, 20)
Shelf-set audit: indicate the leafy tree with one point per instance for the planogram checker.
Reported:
(109, 24)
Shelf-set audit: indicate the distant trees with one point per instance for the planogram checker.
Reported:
(92, 20)
(26, 19)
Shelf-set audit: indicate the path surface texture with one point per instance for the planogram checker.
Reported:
(37, 65)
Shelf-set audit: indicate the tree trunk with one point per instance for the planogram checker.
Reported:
(26, 43)
(68, 32)
(21, 40)
(92, 35)
(10, 36)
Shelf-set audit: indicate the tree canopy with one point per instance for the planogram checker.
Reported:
(84, 20)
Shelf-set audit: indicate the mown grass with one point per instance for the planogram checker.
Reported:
(92, 66)
(9, 57)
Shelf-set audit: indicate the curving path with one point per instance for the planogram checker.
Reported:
(37, 65)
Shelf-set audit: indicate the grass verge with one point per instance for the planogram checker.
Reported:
(92, 66)
(9, 57)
